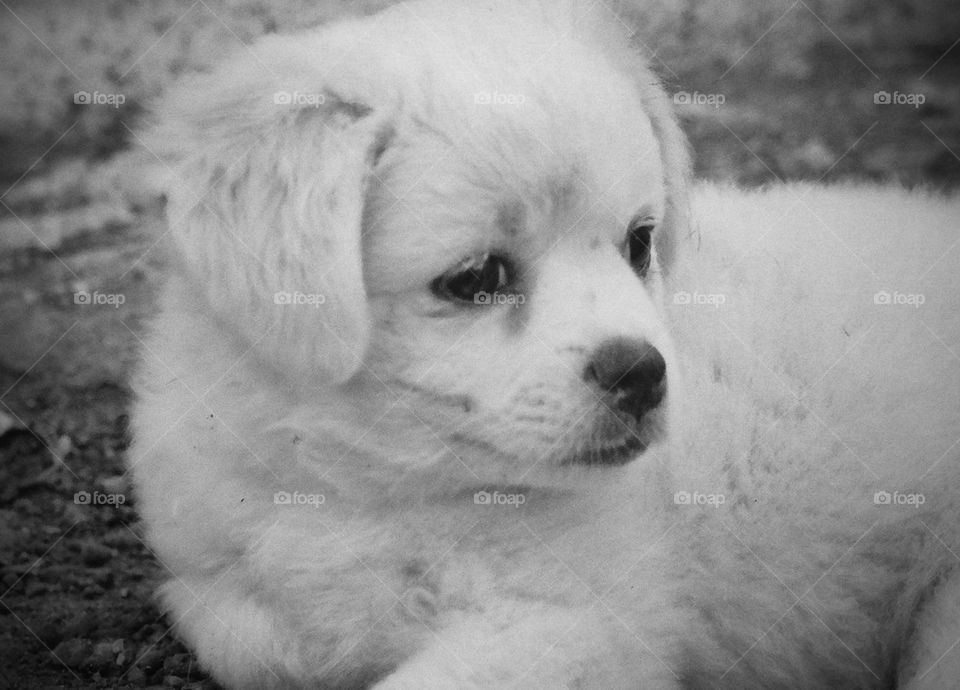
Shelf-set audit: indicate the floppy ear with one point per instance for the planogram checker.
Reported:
(272, 163)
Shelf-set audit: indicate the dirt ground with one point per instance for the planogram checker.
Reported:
(76, 580)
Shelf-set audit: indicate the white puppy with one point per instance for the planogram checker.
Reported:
(419, 410)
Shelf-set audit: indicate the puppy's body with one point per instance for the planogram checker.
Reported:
(807, 399)
(388, 487)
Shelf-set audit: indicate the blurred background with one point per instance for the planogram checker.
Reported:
(767, 90)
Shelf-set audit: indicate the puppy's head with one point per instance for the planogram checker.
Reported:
(454, 218)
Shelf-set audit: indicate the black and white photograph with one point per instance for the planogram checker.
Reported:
(468, 344)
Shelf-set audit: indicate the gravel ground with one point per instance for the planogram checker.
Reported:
(76, 580)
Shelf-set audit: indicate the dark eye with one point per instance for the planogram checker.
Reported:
(473, 280)
(638, 245)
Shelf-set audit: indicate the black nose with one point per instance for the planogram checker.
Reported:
(631, 373)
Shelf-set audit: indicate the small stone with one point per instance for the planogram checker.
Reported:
(61, 449)
(34, 588)
(95, 555)
(79, 627)
(7, 423)
(103, 577)
(73, 652)
(117, 484)
(151, 660)
(177, 665)
(50, 634)
(120, 538)
(92, 592)
(136, 677)
(101, 658)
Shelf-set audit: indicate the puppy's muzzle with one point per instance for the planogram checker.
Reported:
(631, 374)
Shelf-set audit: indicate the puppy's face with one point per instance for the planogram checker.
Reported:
(488, 235)
(515, 283)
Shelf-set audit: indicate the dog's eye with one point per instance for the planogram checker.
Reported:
(474, 279)
(638, 245)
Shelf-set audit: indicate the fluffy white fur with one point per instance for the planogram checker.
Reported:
(796, 397)
(805, 398)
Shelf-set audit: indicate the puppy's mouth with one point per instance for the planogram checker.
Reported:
(610, 455)
(614, 440)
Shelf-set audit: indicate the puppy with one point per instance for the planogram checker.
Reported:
(424, 396)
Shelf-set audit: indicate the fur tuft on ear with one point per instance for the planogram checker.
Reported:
(674, 154)
(674, 150)
(272, 163)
